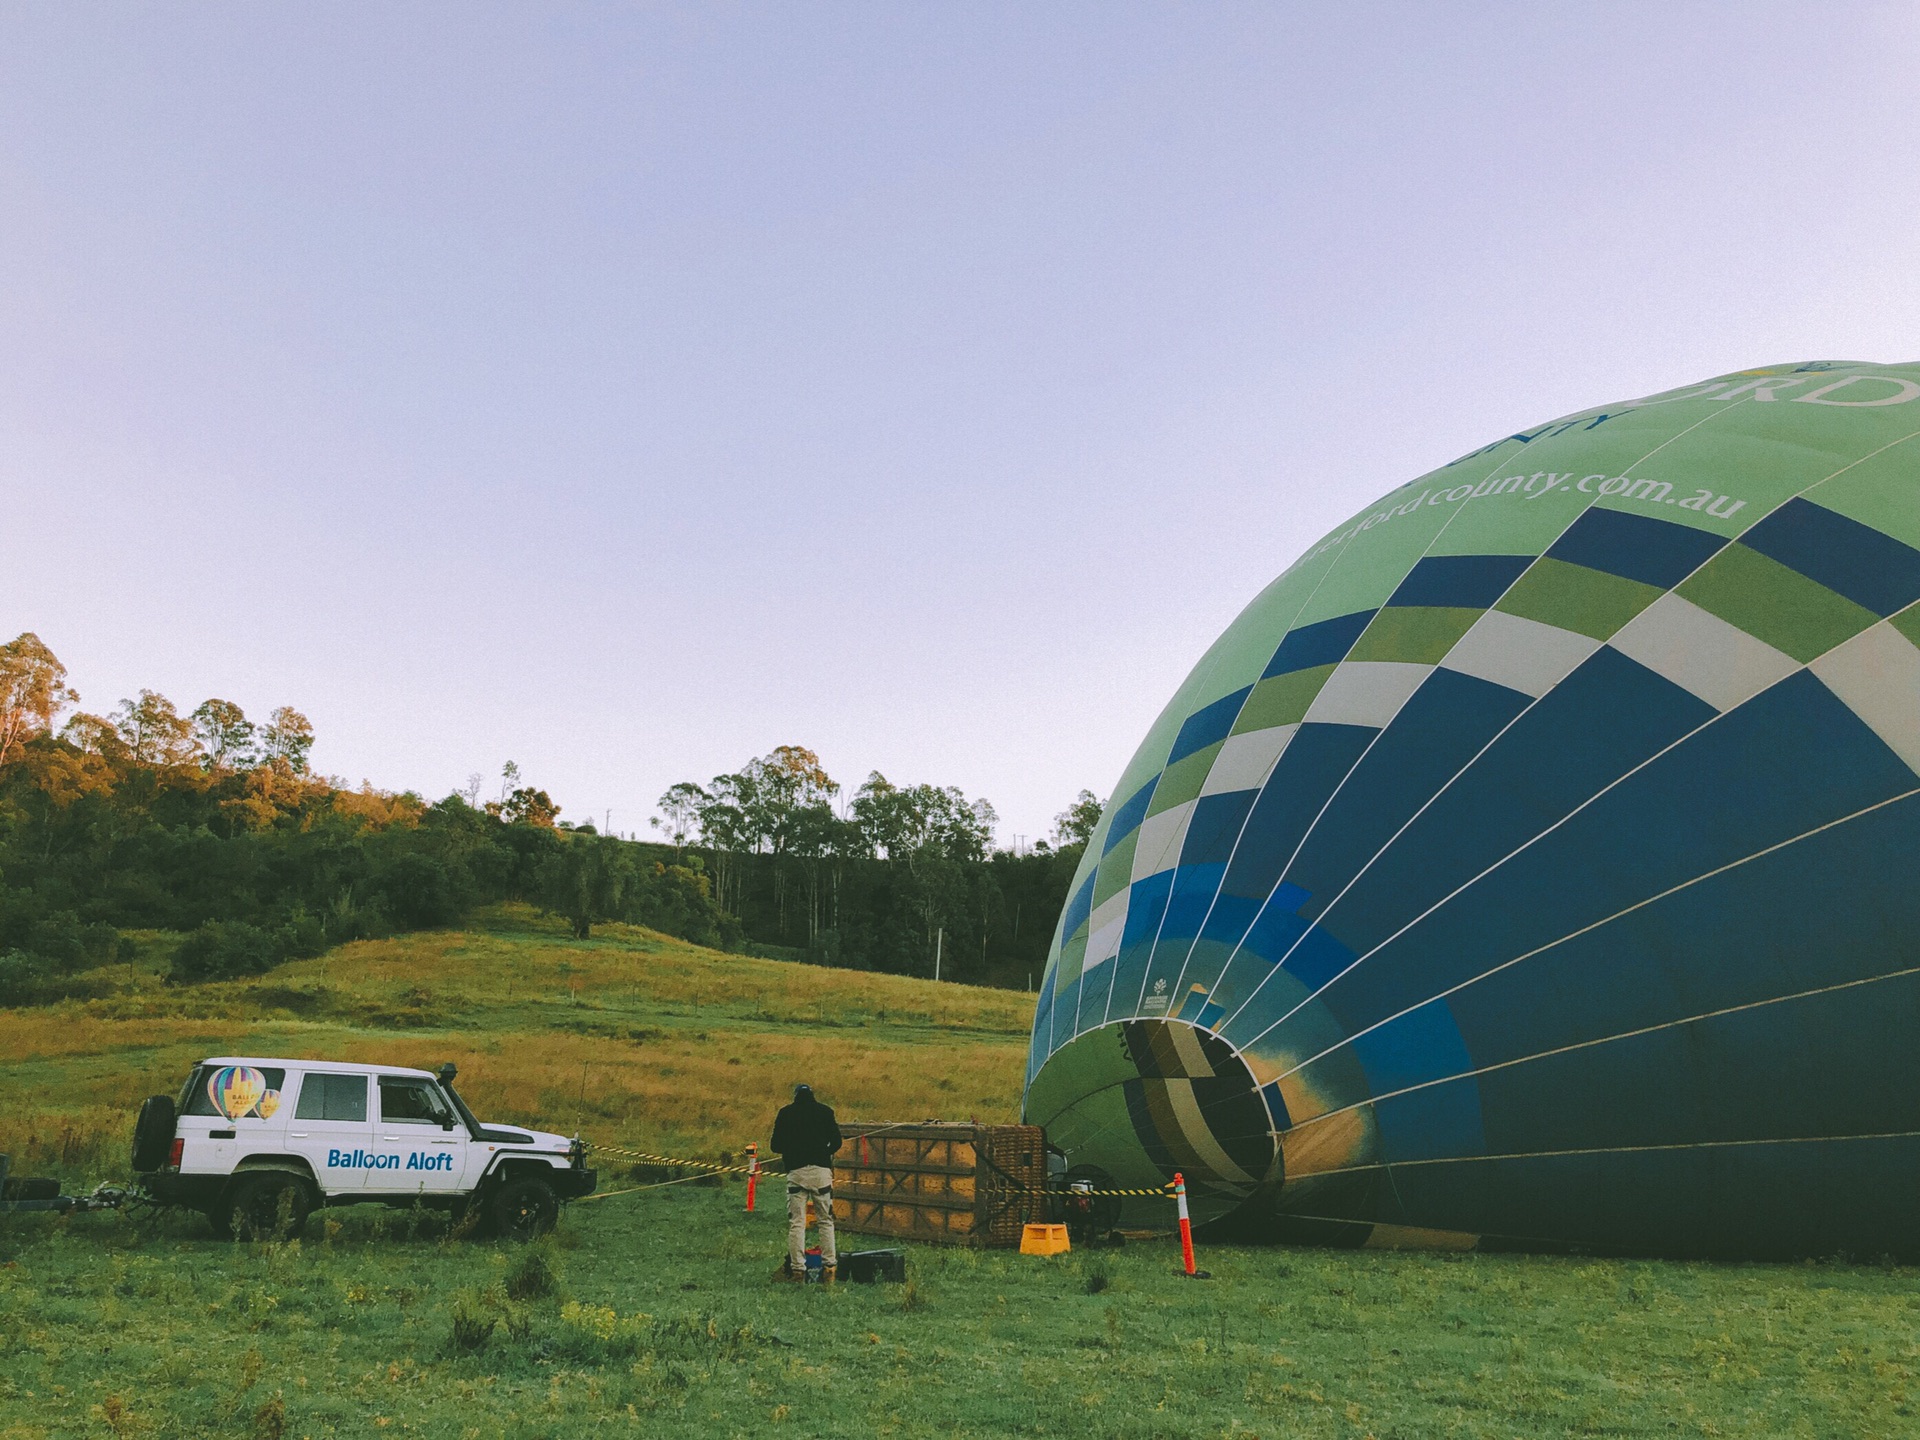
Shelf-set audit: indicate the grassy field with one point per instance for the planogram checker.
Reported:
(630, 1037)
(653, 1313)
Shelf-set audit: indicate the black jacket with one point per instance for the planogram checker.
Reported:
(804, 1133)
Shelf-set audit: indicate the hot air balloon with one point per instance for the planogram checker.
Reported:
(1536, 862)
(236, 1089)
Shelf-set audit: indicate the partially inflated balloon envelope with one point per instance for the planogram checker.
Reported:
(1537, 861)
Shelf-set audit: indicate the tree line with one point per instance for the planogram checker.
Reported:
(208, 824)
(889, 877)
(147, 819)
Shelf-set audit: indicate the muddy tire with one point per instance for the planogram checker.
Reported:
(269, 1205)
(523, 1210)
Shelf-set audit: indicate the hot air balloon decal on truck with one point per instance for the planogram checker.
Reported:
(240, 1090)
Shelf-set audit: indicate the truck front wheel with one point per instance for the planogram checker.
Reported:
(524, 1209)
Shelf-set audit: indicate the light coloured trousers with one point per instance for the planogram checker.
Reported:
(815, 1183)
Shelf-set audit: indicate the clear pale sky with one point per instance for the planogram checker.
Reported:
(628, 390)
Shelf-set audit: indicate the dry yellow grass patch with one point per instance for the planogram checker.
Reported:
(713, 1091)
(623, 964)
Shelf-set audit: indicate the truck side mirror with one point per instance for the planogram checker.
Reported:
(446, 1122)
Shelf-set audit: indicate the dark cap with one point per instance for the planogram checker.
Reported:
(799, 1090)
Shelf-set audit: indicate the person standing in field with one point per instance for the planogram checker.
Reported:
(805, 1137)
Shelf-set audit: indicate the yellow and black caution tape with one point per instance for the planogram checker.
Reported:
(652, 1159)
(1165, 1192)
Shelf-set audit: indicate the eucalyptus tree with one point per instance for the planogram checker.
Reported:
(33, 690)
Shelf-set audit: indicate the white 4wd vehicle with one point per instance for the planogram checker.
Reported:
(257, 1144)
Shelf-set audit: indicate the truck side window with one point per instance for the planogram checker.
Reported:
(410, 1102)
(332, 1097)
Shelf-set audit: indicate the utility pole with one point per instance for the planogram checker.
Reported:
(939, 936)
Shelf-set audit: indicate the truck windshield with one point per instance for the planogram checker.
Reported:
(472, 1121)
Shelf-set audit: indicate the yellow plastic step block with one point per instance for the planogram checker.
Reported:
(1044, 1240)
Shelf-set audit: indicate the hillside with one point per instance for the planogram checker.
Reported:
(631, 1037)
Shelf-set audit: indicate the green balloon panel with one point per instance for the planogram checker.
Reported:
(1537, 861)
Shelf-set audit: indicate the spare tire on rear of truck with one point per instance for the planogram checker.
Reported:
(153, 1134)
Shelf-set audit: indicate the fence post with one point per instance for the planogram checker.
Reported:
(753, 1172)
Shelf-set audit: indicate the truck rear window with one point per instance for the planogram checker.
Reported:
(234, 1092)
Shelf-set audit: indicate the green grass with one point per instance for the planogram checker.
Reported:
(663, 1320)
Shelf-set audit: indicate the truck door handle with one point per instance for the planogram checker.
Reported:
(296, 1134)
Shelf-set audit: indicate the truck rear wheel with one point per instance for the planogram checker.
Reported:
(270, 1205)
(524, 1209)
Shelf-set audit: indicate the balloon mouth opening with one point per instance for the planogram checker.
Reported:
(1147, 1099)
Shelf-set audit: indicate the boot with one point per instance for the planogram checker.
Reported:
(829, 1275)
(785, 1275)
